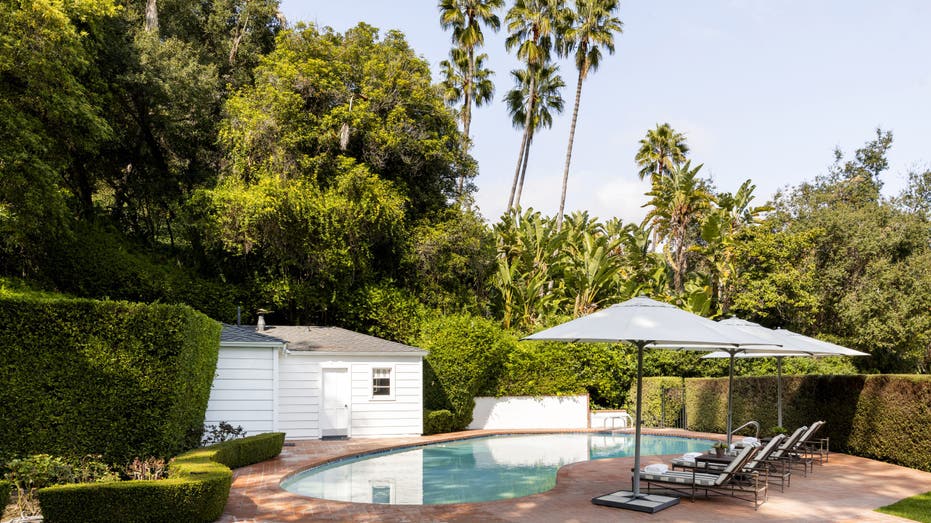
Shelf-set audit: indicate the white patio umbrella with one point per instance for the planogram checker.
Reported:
(648, 323)
(793, 345)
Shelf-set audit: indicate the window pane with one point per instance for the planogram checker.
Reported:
(381, 382)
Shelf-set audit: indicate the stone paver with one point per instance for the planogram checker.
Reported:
(847, 488)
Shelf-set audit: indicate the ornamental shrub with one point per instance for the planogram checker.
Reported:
(196, 490)
(102, 377)
(439, 421)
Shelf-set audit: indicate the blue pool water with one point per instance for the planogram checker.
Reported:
(471, 470)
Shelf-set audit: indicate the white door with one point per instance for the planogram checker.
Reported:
(334, 420)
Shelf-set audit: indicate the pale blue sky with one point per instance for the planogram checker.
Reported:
(763, 90)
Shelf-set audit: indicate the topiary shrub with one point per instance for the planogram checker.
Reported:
(439, 422)
(101, 377)
(196, 491)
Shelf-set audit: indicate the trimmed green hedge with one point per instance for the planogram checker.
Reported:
(102, 377)
(439, 422)
(652, 401)
(885, 417)
(6, 488)
(466, 357)
(197, 488)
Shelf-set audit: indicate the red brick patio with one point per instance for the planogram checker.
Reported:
(847, 488)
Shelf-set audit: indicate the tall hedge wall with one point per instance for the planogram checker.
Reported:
(885, 417)
(103, 377)
(652, 401)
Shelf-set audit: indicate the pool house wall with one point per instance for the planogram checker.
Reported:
(264, 387)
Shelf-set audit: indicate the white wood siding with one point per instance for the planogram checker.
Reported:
(401, 416)
(299, 395)
(243, 393)
(243, 389)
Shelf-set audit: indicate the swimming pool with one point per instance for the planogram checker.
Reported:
(471, 470)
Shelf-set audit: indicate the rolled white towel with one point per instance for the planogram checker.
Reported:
(656, 468)
(750, 440)
(691, 455)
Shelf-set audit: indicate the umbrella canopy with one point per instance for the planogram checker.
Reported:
(793, 345)
(648, 323)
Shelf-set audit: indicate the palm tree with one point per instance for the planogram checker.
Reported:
(534, 27)
(538, 90)
(593, 28)
(660, 150)
(455, 72)
(679, 201)
(466, 18)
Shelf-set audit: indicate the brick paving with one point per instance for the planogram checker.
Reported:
(847, 488)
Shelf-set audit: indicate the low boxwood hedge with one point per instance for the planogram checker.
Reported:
(196, 490)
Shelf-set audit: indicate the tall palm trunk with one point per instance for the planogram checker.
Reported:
(467, 112)
(523, 171)
(565, 172)
(520, 156)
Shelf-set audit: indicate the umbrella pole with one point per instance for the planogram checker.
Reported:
(779, 391)
(730, 397)
(635, 487)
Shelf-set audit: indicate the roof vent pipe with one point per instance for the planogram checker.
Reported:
(260, 325)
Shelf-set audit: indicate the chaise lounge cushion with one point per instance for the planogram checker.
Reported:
(681, 477)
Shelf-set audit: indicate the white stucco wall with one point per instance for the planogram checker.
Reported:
(530, 412)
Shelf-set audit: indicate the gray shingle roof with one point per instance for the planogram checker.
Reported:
(320, 339)
(245, 334)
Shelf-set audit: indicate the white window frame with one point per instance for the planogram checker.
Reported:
(392, 382)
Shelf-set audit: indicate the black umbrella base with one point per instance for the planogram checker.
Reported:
(625, 499)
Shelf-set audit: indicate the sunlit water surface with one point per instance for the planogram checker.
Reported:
(471, 470)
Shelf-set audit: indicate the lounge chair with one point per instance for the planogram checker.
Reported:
(760, 462)
(815, 447)
(731, 480)
(790, 453)
(802, 454)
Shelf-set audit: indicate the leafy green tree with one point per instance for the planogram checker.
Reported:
(720, 232)
(48, 118)
(453, 255)
(845, 263)
(322, 95)
(590, 264)
(311, 247)
(538, 90)
(593, 27)
(661, 149)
